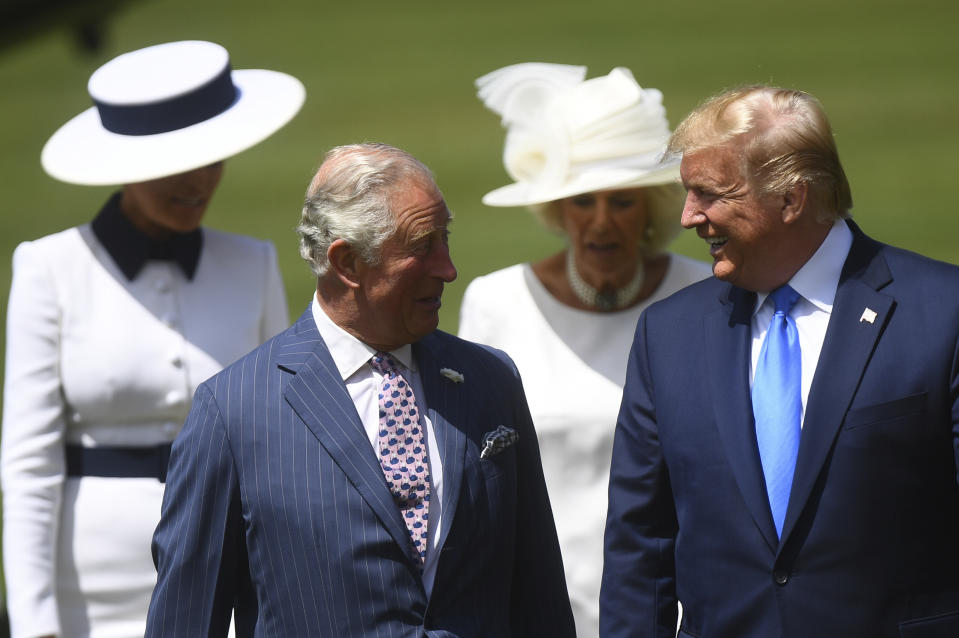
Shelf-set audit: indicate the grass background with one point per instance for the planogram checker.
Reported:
(402, 73)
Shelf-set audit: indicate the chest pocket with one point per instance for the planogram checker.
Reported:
(887, 412)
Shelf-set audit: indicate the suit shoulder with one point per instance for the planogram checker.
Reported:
(54, 244)
(907, 263)
(255, 363)
(695, 297)
(925, 287)
(469, 353)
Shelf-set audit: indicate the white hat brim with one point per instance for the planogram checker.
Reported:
(529, 194)
(83, 152)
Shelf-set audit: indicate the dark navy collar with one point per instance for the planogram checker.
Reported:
(131, 249)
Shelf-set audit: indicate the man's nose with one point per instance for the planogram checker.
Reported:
(444, 268)
(692, 212)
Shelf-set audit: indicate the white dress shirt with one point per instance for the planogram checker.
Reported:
(352, 359)
(816, 283)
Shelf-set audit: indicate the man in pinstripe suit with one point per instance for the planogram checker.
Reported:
(277, 507)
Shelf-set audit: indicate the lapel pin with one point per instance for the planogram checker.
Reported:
(452, 375)
(868, 315)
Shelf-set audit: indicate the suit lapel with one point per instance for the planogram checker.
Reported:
(446, 406)
(319, 397)
(850, 341)
(728, 338)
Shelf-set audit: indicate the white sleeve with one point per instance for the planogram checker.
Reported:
(32, 462)
(276, 316)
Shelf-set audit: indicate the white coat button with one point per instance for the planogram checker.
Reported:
(177, 362)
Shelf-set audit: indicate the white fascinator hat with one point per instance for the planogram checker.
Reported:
(167, 109)
(566, 135)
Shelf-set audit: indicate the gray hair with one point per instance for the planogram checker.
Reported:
(350, 198)
(664, 205)
(785, 139)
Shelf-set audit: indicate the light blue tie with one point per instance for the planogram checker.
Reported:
(777, 403)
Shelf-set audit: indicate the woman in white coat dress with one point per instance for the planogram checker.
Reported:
(587, 157)
(113, 324)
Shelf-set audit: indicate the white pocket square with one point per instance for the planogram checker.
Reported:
(498, 440)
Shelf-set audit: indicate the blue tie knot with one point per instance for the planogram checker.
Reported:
(785, 298)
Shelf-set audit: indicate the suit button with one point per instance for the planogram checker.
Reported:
(780, 577)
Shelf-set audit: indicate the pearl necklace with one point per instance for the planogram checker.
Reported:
(601, 300)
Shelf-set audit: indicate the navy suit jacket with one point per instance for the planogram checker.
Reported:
(870, 545)
(276, 506)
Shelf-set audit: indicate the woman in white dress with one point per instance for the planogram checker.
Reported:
(587, 157)
(113, 324)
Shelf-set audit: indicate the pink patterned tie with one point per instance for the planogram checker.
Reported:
(402, 451)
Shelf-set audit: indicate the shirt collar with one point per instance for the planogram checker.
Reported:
(131, 249)
(349, 353)
(817, 280)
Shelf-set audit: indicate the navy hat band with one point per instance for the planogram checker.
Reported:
(193, 107)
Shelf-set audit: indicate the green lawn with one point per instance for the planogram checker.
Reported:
(402, 73)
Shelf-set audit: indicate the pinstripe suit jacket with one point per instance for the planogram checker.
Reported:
(276, 506)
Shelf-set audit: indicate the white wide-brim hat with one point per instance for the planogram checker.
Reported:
(168, 109)
(568, 136)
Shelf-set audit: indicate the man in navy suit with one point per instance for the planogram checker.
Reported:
(297, 501)
(785, 456)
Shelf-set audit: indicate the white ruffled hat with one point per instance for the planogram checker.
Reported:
(168, 109)
(567, 135)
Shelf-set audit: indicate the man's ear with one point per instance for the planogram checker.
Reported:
(794, 202)
(345, 263)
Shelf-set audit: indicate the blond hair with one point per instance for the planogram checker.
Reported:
(784, 137)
